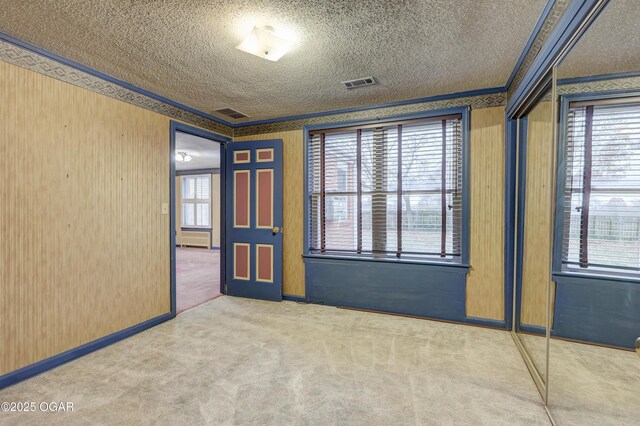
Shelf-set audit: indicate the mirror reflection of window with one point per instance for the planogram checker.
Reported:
(602, 188)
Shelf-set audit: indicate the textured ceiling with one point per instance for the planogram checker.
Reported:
(205, 153)
(185, 49)
(610, 45)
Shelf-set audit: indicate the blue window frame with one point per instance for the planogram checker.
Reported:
(352, 176)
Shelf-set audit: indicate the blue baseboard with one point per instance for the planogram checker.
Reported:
(486, 322)
(294, 298)
(533, 329)
(57, 360)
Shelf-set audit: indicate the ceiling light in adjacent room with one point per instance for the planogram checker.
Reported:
(183, 156)
(264, 42)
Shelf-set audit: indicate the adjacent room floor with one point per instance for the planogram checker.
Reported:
(242, 361)
(197, 276)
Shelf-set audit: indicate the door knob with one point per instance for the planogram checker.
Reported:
(638, 346)
(275, 230)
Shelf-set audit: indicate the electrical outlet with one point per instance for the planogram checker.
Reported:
(165, 208)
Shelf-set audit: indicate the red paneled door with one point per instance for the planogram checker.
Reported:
(254, 219)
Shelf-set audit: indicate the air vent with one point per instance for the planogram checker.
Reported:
(230, 112)
(359, 82)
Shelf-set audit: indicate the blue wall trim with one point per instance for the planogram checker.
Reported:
(598, 77)
(419, 290)
(172, 212)
(211, 171)
(294, 298)
(533, 329)
(532, 37)
(57, 360)
(196, 131)
(122, 83)
(511, 140)
(520, 207)
(486, 322)
(489, 91)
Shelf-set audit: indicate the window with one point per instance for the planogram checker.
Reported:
(601, 200)
(196, 196)
(387, 190)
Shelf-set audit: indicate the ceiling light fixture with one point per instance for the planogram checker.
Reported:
(183, 156)
(265, 43)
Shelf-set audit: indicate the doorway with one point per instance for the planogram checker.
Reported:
(197, 219)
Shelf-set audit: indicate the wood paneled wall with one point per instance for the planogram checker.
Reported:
(85, 248)
(537, 219)
(293, 207)
(485, 281)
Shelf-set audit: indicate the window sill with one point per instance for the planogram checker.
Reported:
(596, 276)
(329, 257)
(194, 228)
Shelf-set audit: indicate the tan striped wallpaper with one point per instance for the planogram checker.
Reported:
(485, 282)
(537, 219)
(84, 246)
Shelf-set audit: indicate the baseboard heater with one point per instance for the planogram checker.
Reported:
(194, 239)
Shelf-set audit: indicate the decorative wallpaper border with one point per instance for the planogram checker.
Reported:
(611, 85)
(621, 84)
(550, 22)
(33, 61)
(479, 101)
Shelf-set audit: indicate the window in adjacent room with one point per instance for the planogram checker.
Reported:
(601, 205)
(387, 190)
(196, 198)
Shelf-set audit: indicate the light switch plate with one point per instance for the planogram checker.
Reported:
(165, 208)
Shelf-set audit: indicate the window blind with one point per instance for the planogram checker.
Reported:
(392, 189)
(196, 193)
(601, 213)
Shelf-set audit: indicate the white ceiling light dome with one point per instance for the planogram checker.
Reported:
(265, 43)
(183, 157)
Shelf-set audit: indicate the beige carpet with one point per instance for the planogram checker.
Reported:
(589, 385)
(248, 362)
